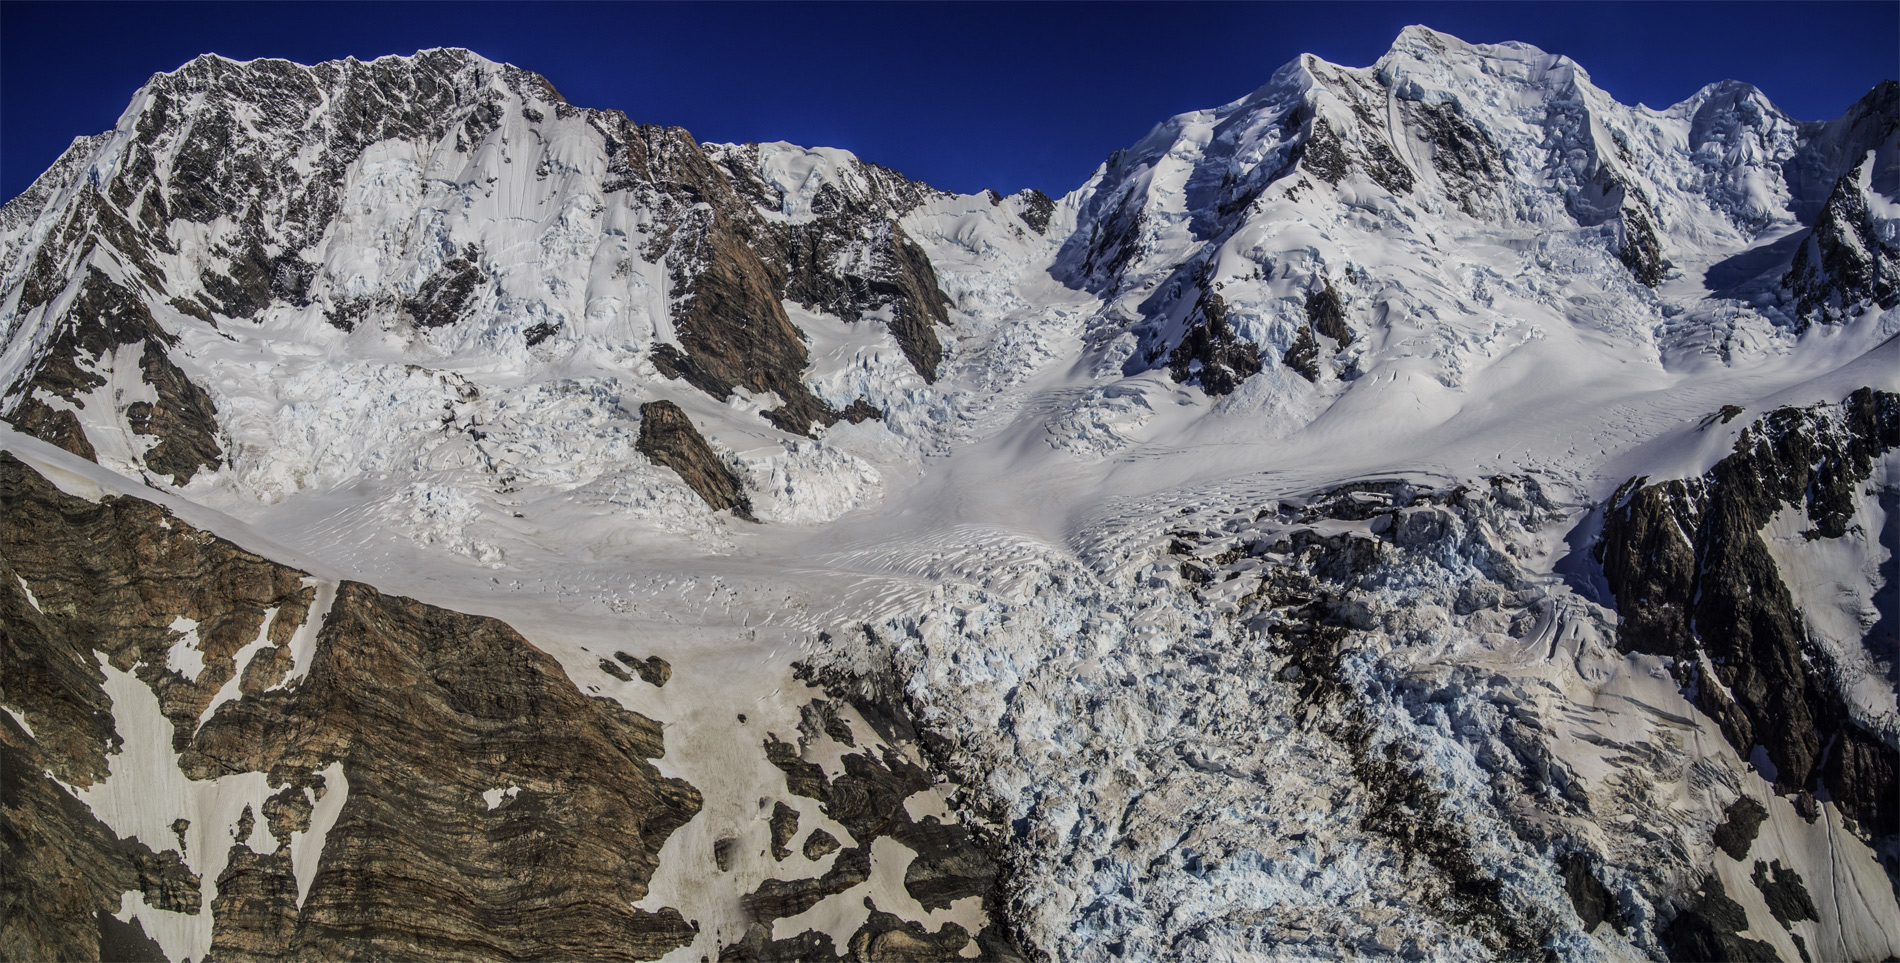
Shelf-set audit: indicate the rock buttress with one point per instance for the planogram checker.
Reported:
(1694, 581)
(668, 437)
(423, 708)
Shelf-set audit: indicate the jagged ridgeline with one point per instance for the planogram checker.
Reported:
(447, 206)
(244, 193)
(1428, 511)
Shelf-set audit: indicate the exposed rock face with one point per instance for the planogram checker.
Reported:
(1710, 928)
(104, 317)
(882, 937)
(447, 296)
(784, 827)
(263, 154)
(422, 709)
(820, 844)
(1694, 581)
(1037, 208)
(1365, 145)
(1303, 354)
(727, 314)
(1639, 248)
(898, 275)
(1114, 241)
(653, 670)
(668, 437)
(56, 425)
(868, 799)
(1786, 894)
(1594, 903)
(66, 870)
(1739, 826)
(1327, 315)
(1851, 257)
(1463, 154)
(1329, 158)
(1210, 355)
(843, 251)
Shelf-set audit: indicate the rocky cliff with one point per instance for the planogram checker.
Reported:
(211, 753)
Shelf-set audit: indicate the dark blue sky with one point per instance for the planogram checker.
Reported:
(964, 95)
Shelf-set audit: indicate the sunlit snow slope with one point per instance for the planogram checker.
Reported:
(1427, 510)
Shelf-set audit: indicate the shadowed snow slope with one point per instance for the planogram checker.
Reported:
(1426, 510)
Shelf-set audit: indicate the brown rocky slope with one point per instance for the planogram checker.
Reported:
(424, 709)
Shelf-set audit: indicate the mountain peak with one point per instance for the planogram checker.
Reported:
(1421, 42)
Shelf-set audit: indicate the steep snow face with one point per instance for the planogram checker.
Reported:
(434, 272)
(1839, 586)
(1470, 200)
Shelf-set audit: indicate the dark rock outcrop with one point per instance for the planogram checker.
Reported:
(1366, 146)
(1709, 927)
(668, 437)
(852, 257)
(778, 898)
(896, 274)
(66, 870)
(868, 800)
(1303, 354)
(784, 824)
(1035, 208)
(819, 844)
(727, 311)
(1594, 903)
(1466, 158)
(1114, 242)
(860, 411)
(105, 316)
(1210, 354)
(1327, 314)
(425, 709)
(1740, 823)
(57, 426)
(653, 670)
(822, 716)
(1784, 892)
(1694, 581)
(1330, 159)
(1845, 262)
(184, 420)
(887, 937)
(1639, 249)
(447, 295)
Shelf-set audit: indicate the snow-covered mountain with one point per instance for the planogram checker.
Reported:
(1426, 510)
